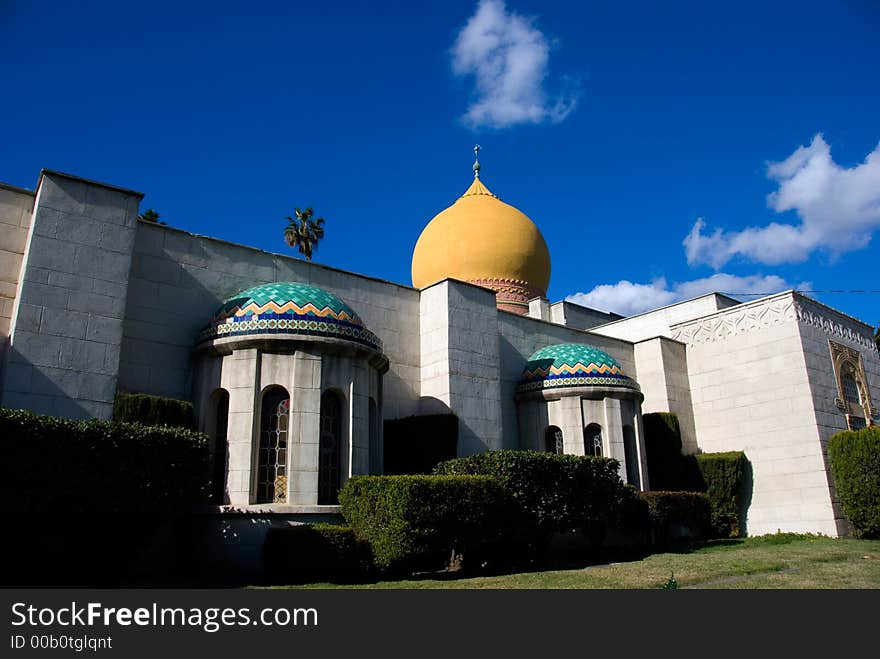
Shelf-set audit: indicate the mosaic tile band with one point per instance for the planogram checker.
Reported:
(583, 381)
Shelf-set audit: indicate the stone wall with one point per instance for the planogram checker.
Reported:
(178, 280)
(66, 334)
(16, 205)
(751, 393)
(460, 362)
(818, 325)
(578, 317)
(662, 373)
(658, 321)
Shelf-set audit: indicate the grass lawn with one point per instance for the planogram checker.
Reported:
(780, 561)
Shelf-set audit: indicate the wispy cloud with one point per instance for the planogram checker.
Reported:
(838, 207)
(508, 57)
(628, 298)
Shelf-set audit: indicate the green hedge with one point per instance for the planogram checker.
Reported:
(855, 464)
(415, 444)
(62, 466)
(722, 476)
(416, 522)
(315, 552)
(677, 515)
(663, 450)
(152, 410)
(551, 493)
(85, 497)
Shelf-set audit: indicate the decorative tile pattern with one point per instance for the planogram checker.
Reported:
(572, 365)
(289, 308)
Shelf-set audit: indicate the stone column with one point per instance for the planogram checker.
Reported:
(359, 432)
(240, 377)
(572, 419)
(640, 443)
(613, 434)
(305, 428)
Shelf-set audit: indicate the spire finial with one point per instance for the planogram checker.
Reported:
(477, 161)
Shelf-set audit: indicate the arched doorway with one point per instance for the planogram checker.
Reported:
(330, 449)
(553, 442)
(593, 440)
(272, 457)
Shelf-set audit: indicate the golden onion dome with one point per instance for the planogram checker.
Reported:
(482, 240)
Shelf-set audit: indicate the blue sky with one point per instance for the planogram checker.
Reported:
(656, 145)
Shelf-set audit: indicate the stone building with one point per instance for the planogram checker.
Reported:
(293, 366)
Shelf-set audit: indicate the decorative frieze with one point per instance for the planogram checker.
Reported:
(773, 311)
(835, 325)
(735, 321)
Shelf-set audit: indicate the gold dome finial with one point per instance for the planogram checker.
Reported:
(477, 161)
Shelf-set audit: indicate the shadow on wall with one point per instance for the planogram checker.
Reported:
(52, 390)
(746, 501)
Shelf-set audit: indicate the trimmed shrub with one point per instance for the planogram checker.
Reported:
(58, 465)
(415, 444)
(855, 464)
(663, 450)
(417, 522)
(152, 410)
(85, 496)
(722, 476)
(551, 493)
(306, 553)
(677, 515)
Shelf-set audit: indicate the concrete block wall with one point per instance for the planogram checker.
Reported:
(662, 373)
(178, 280)
(16, 206)
(460, 361)
(67, 321)
(579, 317)
(818, 325)
(751, 393)
(658, 322)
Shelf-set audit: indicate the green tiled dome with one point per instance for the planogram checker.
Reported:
(572, 365)
(287, 294)
(288, 308)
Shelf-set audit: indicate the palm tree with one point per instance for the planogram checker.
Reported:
(149, 215)
(303, 232)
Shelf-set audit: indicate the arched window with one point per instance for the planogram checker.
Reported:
(553, 440)
(220, 403)
(330, 449)
(272, 457)
(593, 440)
(631, 456)
(375, 453)
(850, 389)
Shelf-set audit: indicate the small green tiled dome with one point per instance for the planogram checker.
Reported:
(572, 365)
(288, 308)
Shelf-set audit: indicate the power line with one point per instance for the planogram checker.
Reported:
(829, 290)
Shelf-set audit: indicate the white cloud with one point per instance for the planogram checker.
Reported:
(628, 298)
(839, 209)
(508, 57)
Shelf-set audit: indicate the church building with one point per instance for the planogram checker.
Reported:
(294, 366)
